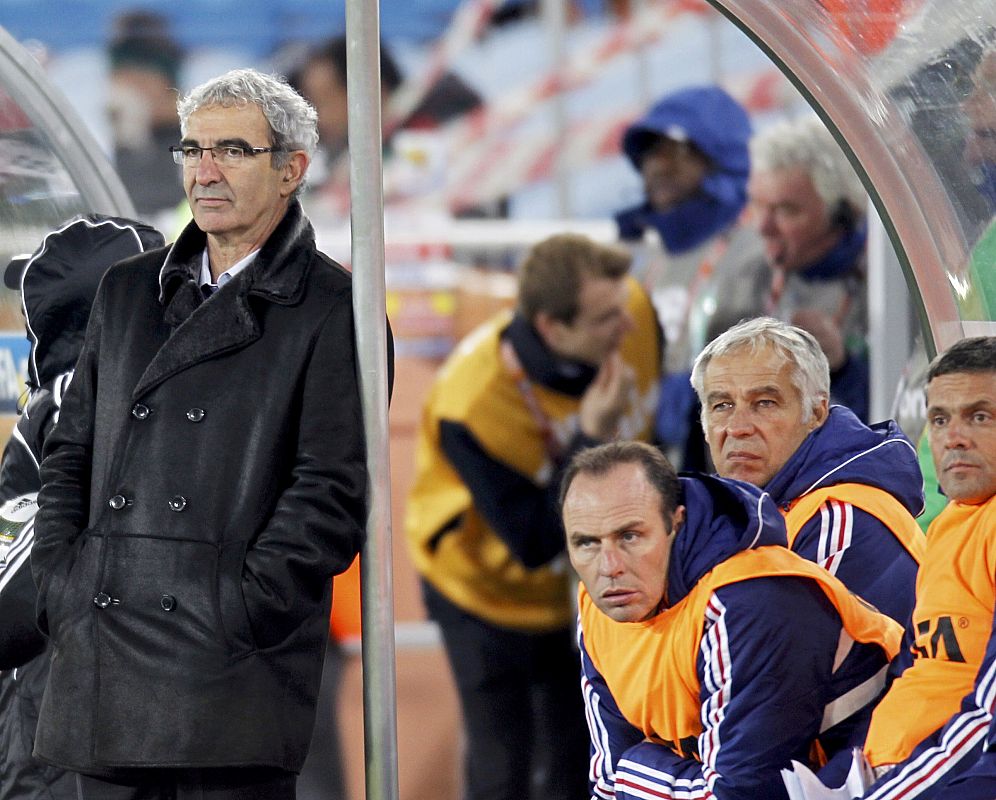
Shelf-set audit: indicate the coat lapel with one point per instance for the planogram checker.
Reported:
(202, 330)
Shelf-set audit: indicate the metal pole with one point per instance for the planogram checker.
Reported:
(555, 19)
(380, 721)
(890, 327)
(644, 78)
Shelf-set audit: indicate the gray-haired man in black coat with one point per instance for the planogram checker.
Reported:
(206, 479)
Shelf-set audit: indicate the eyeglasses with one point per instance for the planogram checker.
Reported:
(226, 155)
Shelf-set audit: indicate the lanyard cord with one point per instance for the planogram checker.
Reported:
(525, 386)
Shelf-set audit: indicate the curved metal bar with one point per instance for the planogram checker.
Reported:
(23, 78)
(914, 207)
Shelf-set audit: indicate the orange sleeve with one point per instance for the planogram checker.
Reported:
(344, 622)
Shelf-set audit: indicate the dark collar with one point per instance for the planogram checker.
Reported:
(846, 258)
(542, 365)
(278, 273)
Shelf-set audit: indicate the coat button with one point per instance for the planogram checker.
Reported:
(140, 411)
(168, 602)
(178, 503)
(103, 600)
(195, 414)
(117, 502)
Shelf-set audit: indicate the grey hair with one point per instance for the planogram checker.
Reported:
(810, 369)
(807, 144)
(293, 122)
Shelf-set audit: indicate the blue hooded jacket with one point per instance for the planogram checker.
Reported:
(722, 517)
(845, 450)
(767, 665)
(855, 545)
(712, 121)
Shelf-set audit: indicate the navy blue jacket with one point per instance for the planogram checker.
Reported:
(766, 665)
(852, 544)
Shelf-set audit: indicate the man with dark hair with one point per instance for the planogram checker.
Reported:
(206, 480)
(145, 64)
(321, 79)
(712, 656)
(936, 718)
(576, 365)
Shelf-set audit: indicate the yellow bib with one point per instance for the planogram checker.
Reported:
(650, 666)
(955, 600)
(875, 501)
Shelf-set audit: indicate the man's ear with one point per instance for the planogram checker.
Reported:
(677, 520)
(820, 412)
(547, 327)
(293, 172)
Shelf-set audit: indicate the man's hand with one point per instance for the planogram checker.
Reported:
(605, 401)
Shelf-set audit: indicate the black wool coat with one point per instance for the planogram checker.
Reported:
(205, 481)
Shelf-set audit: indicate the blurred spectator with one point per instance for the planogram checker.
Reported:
(809, 207)
(980, 152)
(321, 79)
(145, 64)
(577, 364)
(691, 149)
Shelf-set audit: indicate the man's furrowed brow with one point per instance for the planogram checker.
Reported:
(933, 411)
(577, 537)
(230, 142)
(629, 525)
(233, 142)
(771, 388)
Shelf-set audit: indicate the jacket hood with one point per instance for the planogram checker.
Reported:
(705, 116)
(722, 517)
(712, 121)
(845, 450)
(60, 280)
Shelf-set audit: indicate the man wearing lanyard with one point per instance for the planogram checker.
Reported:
(576, 364)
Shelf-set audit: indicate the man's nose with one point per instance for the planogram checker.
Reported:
(956, 435)
(610, 561)
(740, 422)
(766, 224)
(207, 169)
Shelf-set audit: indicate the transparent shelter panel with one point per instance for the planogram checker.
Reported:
(50, 170)
(36, 195)
(910, 90)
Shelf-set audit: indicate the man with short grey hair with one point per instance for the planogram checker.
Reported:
(809, 207)
(205, 481)
(849, 492)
